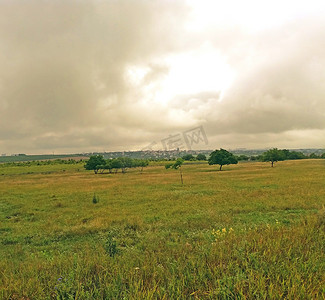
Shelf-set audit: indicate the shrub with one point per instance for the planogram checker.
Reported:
(95, 199)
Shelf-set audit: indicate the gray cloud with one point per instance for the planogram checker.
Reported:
(64, 85)
(63, 67)
(284, 90)
(280, 88)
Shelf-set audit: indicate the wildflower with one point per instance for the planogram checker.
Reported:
(224, 230)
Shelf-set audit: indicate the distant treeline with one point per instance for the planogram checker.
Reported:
(284, 153)
(120, 162)
(25, 157)
(42, 163)
(98, 164)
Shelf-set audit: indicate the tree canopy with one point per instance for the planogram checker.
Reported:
(201, 156)
(95, 162)
(222, 157)
(177, 166)
(98, 163)
(188, 157)
(273, 155)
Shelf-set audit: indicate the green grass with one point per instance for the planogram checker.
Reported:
(23, 158)
(149, 237)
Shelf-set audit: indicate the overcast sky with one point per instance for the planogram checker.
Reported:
(79, 76)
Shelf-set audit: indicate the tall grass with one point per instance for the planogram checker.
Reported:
(250, 231)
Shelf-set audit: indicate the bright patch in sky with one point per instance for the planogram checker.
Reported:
(195, 72)
(204, 69)
(192, 72)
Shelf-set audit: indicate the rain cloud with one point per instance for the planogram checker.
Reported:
(84, 76)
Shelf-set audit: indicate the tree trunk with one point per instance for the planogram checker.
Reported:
(220, 167)
(272, 162)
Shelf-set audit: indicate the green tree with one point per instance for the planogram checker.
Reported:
(188, 157)
(126, 163)
(108, 165)
(273, 155)
(116, 164)
(177, 166)
(292, 154)
(296, 155)
(169, 165)
(201, 156)
(242, 157)
(222, 157)
(95, 162)
(285, 153)
(142, 163)
(313, 155)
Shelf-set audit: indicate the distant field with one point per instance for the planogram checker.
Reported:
(19, 158)
(250, 231)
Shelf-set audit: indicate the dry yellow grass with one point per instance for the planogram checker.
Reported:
(151, 237)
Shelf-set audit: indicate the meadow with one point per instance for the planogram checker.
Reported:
(33, 158)
(247, 232)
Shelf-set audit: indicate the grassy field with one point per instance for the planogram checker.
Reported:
(248, 232)
(21, 158)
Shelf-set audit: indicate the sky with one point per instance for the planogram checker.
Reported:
(95, 75)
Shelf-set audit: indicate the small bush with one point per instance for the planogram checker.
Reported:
(95, 199)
